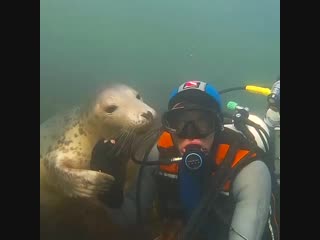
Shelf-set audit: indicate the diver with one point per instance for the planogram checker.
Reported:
(206, 179)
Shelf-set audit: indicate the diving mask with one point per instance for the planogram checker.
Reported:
(190, 123)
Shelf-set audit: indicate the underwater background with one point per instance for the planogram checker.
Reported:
(154, 46)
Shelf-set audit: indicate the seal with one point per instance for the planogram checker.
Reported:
(69, 187)
(66, 141)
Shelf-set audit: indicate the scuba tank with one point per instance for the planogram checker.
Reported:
(276, 132)
(253, 127)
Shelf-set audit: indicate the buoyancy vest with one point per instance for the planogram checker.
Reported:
(167, 177)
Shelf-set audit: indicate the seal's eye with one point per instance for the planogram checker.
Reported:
(110, 109)
(138, 96)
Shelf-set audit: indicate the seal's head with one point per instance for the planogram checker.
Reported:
(121, 108)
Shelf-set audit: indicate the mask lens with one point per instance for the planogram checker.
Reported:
(190, 123)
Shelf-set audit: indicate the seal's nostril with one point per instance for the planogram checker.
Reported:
(148, 115)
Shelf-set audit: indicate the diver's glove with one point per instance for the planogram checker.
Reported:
(104, 158)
